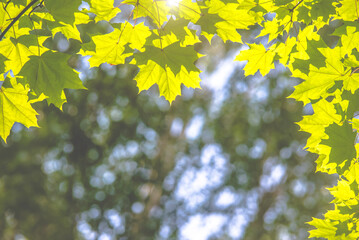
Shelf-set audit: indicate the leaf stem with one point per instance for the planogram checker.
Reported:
(355, 70)
(8, 14)
(17, 18)
(7, 3)
(291, 10)
(159, 24)
(189, 8)
(125, 24)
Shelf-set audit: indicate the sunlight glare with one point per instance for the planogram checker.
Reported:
(173, 3)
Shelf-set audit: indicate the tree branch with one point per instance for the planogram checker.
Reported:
(291, 10)
(17, 18)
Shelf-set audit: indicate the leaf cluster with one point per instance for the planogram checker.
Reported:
(317, 40)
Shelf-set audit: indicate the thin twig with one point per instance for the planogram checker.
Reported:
(7, 3)
(355, 70)
(291, 10)
(8, 14)
(17, 18)
(37, 6)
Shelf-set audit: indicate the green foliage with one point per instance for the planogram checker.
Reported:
(15, 107)
(318, 41)
(49, 74)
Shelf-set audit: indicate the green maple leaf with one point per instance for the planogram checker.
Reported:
(343, 29)
(50, 74)
(17, 2)
(353, 105)
(320, 80)
(348, 10)
(342, 228)
(258, 58)
(270, 28)
(168, 83)
(155, 10)
(322, 8)
(173, 56)
(104, 10)
(177, 27)
(324, 115)
(316, 57)
(350, 39)
(351, 61)
(188, 10)
(282, 2)
(341, 140)
(111, 47)
(173, 31)
(325, 228)
(64, 10)
(303, 14)
(224, 19)
(348, 209)
(15, 107)
(168, 68)
(2, 64)
(17, 54)
(208, 22)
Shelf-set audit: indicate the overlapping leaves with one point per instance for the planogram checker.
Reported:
(329, 75)
(162, 46)
(317, 40)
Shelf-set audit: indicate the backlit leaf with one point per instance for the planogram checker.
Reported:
(14, 107)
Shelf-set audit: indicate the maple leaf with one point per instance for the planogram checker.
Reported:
(224, 19)
(156, 10)
(173, 56)
(14, 107)
(179, 29)
(17, 2)
(325, 228)
(353, 103)
(320, 80)
(110, 48)
(348, 10)
(350, 40)
(168, 83)
(258, 57)
(342, 192)
(162, 45)
(2, 64)
(16, 54)
(323, 9)
(49, 74)
(270, 28)
(324, 115)
(341, 140)
(104, 9)
(63, 11)
(353, 174)
(168, 68)
(6, 15)
(68, 30)
(188, 10)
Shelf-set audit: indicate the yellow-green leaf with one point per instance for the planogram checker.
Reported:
(14, 107)
(258, 57)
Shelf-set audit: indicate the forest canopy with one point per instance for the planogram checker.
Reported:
(317, 41)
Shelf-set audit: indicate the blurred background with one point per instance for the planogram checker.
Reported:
(223, 162)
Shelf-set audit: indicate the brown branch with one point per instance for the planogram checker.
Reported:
(291, 10)
(355, 70)
(17, 18)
